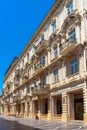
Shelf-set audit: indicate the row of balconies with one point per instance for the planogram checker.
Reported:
(34, 90)
(64, 49)
(43, 88)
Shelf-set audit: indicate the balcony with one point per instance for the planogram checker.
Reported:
(38, 68)
(25, 76)
(67, 46)
(71, 14)
(41, 46)
(73, 17)
(7, 92)
(7, 102)
(16, 98)
(16, 83)
(53, 35)
(25, 96)
(40, 89)
(8, 84)
(17, 72)
(54, 57)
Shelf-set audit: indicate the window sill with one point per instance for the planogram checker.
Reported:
(72, 75)
(55, 82)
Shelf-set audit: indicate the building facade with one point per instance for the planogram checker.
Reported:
(1, 106)
(49, 79)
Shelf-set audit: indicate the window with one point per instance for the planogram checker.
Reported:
(70, 8)
(43, 61)
(42, 37)
(74, 66)
(72, 37)
(34, 48)
(55, 51)
(28, 89)
(27, 56)
(43, 80)
(23, 62)
(54, 26)
(55, 73)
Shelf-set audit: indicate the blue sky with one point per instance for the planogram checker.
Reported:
(18, 21)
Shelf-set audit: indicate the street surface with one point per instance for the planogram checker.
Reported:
(11, 123)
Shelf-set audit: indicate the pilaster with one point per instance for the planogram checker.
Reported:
(49, 108)
(64, 107)
(85, 103)
(39, 109)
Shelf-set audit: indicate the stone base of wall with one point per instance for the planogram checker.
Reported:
(85, 118)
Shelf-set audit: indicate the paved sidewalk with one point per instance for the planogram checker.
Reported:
(48, 125)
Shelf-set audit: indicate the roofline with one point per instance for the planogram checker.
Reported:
(44, 21)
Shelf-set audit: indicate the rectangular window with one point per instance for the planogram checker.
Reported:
(70, 8)
(43, 80)
(74, 66)
(43, 61)
(55, 51)
(35, 86)
(54, 26)
(27, 56)
(23, 62)
(42, 37)
(56, 78)
(28, 89)
(72, 37)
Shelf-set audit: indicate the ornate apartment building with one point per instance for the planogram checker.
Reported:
(49, 79)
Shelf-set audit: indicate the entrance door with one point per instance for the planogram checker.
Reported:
(78, 108)
(46, 106)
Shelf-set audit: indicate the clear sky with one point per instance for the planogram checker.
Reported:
(18, 21)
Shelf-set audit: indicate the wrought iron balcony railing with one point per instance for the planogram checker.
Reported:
(40, 88)
(17, 72)
(67, 46)
(41, 46)
(16, 83)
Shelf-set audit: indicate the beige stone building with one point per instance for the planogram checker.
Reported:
(49, 79)
(1, 106)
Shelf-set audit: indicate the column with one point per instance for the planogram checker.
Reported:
(14, 110)
(31, 109)
(71, 107)
(64, 107)
(39, 108)
(85, 103)
(21, 110)
(52, 107)
(5, 110)
(49, 108)
(26, 109)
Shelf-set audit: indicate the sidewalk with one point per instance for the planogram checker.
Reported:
(47, 125)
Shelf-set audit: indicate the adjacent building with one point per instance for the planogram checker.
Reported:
(49, 79)
(1, 106)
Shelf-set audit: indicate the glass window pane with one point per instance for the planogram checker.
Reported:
(74, 66)
(70, 8)
(55, 51)
(54, 26)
